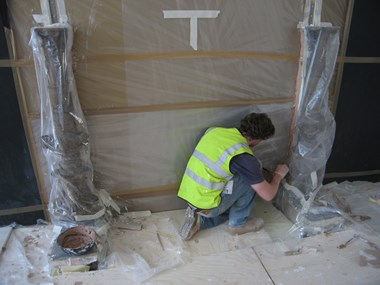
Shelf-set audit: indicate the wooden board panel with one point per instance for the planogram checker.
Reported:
(318, 260)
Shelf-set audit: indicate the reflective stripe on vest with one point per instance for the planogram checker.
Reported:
(211, 185)
(217, 166)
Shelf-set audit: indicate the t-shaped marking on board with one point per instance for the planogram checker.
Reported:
(193, 15)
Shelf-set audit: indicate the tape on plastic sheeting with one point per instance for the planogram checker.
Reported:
(295, 190)
(314, 179)
(16, 63)
(193, 15)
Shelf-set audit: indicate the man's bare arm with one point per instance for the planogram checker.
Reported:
(268, 191)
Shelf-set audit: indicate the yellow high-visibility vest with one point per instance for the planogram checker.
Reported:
(208, 170)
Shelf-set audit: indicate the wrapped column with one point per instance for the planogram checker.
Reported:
(314, 126)
(64, 133)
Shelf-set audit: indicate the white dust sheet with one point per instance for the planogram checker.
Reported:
(156, 255)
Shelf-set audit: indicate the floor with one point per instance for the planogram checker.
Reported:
(156, 255)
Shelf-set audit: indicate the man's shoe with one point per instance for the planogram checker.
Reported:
(253, 225)
(191, 226)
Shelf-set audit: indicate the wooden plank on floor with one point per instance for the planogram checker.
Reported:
(275, 223)
(156, 255)
(214, 240)
(5, 233)
(318, 260)
(235, 267)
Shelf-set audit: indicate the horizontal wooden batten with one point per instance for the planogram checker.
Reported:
(161, 56)
(179, 106)
(352, 174)
(28, 209)
(183, 106)
(188, 55)
(16, 62)
(362, 59)
(185, 55)
(162, 190)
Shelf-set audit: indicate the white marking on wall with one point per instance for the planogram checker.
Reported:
(193, 15)
(45, 17)
(61, 9)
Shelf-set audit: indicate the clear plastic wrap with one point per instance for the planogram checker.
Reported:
(315, 127)
(148, 95)
(64, 133)
(143, 254)
(314, 124)
(26, 259)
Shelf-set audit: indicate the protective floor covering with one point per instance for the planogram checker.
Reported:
(156, 255)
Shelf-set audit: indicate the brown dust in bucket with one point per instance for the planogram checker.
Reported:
(77, 240)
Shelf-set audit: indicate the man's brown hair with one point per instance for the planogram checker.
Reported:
(257, 126)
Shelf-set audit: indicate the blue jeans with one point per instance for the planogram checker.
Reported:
(235, 207)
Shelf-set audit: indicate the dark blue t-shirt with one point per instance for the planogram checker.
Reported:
(248, 167)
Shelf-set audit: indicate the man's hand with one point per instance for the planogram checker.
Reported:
(268, 191)
(282, 170)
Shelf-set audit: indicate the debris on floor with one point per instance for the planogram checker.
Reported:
(151, 252)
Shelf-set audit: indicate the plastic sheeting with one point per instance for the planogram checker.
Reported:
(148, 95)
(64, 132)
(314, 128)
